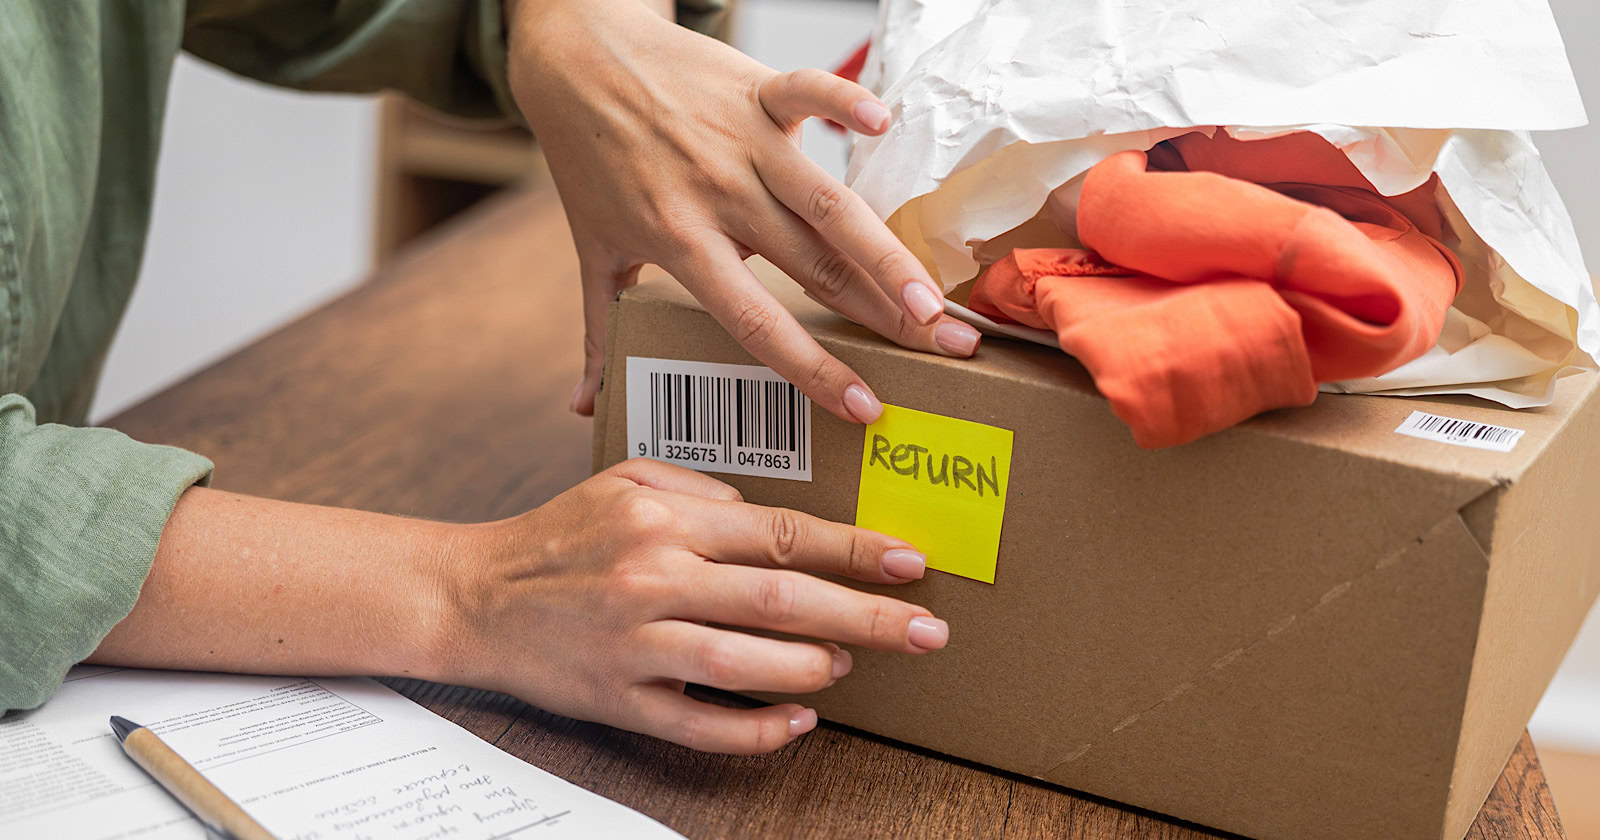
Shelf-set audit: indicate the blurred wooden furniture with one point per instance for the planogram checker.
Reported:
(440, 390)
(1575, 783)
(431, 167)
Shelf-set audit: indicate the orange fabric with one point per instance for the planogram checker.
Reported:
(1228, 278)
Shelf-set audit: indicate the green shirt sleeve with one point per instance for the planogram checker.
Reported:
(447, 54)
(83, 512)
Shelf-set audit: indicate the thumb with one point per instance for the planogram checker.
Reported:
(602, 282)
(789, 98)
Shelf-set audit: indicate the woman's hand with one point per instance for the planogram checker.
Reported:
(671, 148)
(601, 604)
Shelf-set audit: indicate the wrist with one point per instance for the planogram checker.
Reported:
(437, 590)
(562, 54)
(457, 594)
(539, 35)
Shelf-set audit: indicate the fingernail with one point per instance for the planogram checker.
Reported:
(802, 722)
(841, 663)
(928, 633)
(921, 302)
(956, 338)
(577, 391)
(905, 563)
(861, 404)
(871, 114)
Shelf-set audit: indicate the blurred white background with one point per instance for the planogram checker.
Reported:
(263, 211)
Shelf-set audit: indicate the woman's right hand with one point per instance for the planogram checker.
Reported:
(671, 148)
(603, 603)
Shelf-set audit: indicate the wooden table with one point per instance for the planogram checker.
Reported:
(440, 389)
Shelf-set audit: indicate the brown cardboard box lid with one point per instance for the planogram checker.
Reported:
(1362, 425)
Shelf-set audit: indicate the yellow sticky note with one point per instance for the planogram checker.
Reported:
(938, 483)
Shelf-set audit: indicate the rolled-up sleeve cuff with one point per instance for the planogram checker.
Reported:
(489, 55)
(708, 17)
(83, 514)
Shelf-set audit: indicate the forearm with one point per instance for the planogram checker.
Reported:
(248, 584)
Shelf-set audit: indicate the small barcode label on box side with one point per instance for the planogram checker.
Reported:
(712, 417)
(1460, 432)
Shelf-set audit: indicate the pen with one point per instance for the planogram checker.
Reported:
(208, 804)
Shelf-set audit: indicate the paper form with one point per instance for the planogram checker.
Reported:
(310, 759)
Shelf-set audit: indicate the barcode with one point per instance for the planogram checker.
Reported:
(713, 417)
(1460, 432)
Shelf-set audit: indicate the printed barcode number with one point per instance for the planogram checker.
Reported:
(1460, 432)
(713, 417)
(719, 413)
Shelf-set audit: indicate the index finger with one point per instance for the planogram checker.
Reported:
(753, 535)
(723, 284)
(844, 219)
(802, 605)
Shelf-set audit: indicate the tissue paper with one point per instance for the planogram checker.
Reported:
(999, 102)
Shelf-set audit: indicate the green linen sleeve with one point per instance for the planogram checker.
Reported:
(447, 54)
(81, 513)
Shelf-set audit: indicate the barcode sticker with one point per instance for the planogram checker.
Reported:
(741, 419)
(1460, 432)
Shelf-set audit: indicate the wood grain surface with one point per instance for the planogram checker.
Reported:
(440, 389)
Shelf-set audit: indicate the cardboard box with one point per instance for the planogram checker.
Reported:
(1309, 626)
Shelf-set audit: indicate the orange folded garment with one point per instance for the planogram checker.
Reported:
(1228, 278)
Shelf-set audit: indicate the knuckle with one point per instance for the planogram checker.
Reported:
(690, 731)
(816, 378)
(786, 536)
(770, 734)
(632, 465)
(641, 512)
(881, 625)
(887, 264)
(905, 329)
(601, 493)
(618, 605)
(831, 273)
(825, 204)
(818, 671)
(606, 688)
(638, 583)
(681, 231)
(754, 325)
(625, 701)
(717, 662)
(857, 563)
(775, 600)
